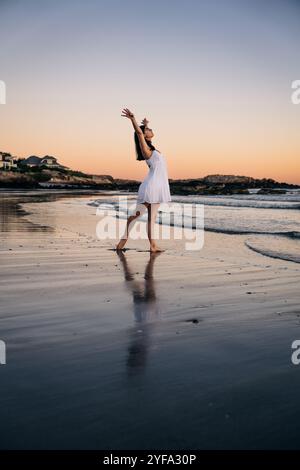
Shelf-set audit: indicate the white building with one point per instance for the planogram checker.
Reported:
(7, 161)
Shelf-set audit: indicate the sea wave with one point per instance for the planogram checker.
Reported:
(276, 247)
(288, 201)
(292, 235)
(257, 202)
(230, 220)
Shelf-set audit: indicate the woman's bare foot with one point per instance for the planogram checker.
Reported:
(121, 244)
(155, 249)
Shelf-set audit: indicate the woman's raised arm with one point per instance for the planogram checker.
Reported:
(146, 151)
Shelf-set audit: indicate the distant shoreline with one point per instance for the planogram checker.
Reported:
(54, 179)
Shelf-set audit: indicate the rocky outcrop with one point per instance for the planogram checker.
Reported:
(71, 180)
(226, 184)
(127, 185)
(10, 179)
(55, 179)
(244, 181)
(271, 191)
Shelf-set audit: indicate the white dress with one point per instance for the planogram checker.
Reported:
(155, 187)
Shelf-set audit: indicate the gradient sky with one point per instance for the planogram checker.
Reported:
(213, 77)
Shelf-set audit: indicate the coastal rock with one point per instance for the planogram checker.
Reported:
(227, 179)
(55, 179)
(226, 184)
(271, 191)
(9, 179)
(127, 185)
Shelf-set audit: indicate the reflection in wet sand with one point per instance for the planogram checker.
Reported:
(11, 215)
(146, 309)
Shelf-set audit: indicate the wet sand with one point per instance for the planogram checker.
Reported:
(181, 350)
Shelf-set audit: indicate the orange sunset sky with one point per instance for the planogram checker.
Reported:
(213, 78)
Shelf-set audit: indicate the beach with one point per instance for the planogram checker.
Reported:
(106, 350)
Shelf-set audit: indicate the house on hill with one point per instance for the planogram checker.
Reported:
(48, 161)
(7, 161)
(31, 161)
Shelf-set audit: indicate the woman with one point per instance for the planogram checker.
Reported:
(155, 187)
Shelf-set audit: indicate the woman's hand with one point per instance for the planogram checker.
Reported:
(127, 113)
(145, 122)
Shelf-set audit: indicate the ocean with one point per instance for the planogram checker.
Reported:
(271, 222)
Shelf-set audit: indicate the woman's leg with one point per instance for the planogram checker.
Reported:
(152, 213)
(139, 210)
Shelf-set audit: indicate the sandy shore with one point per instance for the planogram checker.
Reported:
(183, 350)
